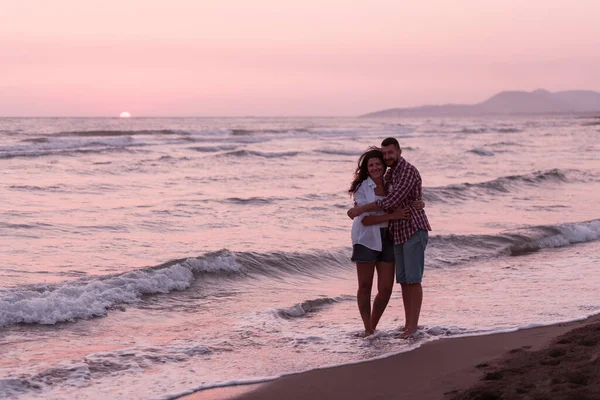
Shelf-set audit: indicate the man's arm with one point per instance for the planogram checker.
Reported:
(399, 192)
(359, 209)
(392, 200)
(399, 213)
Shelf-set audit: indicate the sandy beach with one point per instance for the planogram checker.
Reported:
(559, 361)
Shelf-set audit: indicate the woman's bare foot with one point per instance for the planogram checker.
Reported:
(364, 333)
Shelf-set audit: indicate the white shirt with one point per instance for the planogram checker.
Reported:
(368, 236)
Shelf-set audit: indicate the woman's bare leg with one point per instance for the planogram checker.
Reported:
(385, 285)
(365, 271)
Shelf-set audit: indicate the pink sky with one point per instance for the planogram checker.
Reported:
(267, 57)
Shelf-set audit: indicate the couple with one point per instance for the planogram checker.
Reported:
(389, 233)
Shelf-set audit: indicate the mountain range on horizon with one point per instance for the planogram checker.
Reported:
(539, 101)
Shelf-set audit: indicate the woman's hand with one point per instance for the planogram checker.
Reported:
(418, 204)
(400, 213)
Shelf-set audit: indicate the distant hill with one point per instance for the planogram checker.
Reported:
(504, 103)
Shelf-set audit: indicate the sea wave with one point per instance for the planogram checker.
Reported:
(505, 184)
(450, 250)
(36, 140)
(250, 153)
(249, 132)
(34, 188)
(508, 130)
(340, 152)
(213, 149)
(545, 237)
(95, 296)
(102, 364)
(208, 137)
(488, 130)
(480, 151)
(254, 200)
(74, 152)
(110, 133)
(471, 130)
(309, 306)
(592, 123)
(506, 143)
(68, 146)
(92, 296)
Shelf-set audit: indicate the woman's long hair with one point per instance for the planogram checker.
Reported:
(362, 171)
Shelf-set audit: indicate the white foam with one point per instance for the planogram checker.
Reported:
(573, 233)
(13, 387)
(583, 232)
(140, 358)
(89, 298)
(223, 261)
(294, 311)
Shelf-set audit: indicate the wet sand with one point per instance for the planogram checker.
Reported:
(560, 361)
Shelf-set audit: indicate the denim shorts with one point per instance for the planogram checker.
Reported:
(410, 258)
(362, 253)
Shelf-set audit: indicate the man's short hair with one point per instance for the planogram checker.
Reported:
(390, 141)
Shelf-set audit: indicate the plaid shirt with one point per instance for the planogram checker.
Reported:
(403, 186)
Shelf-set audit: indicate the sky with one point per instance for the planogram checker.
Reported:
(286, 58)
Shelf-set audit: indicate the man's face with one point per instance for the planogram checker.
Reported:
(391, 155)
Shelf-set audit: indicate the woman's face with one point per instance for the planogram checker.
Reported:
(375, 168)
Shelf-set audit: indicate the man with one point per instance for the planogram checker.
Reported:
(403, 186)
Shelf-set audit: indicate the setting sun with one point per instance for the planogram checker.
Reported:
(125, 114)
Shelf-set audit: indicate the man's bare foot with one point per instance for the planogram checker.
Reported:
(408, 332)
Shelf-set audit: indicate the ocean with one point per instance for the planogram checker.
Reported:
(150, 257)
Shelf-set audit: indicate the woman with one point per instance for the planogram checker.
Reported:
(371, 246)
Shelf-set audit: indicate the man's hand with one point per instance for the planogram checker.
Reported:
(400, 213)
(354, 212)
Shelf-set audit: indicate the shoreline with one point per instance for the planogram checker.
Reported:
(438, 369)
